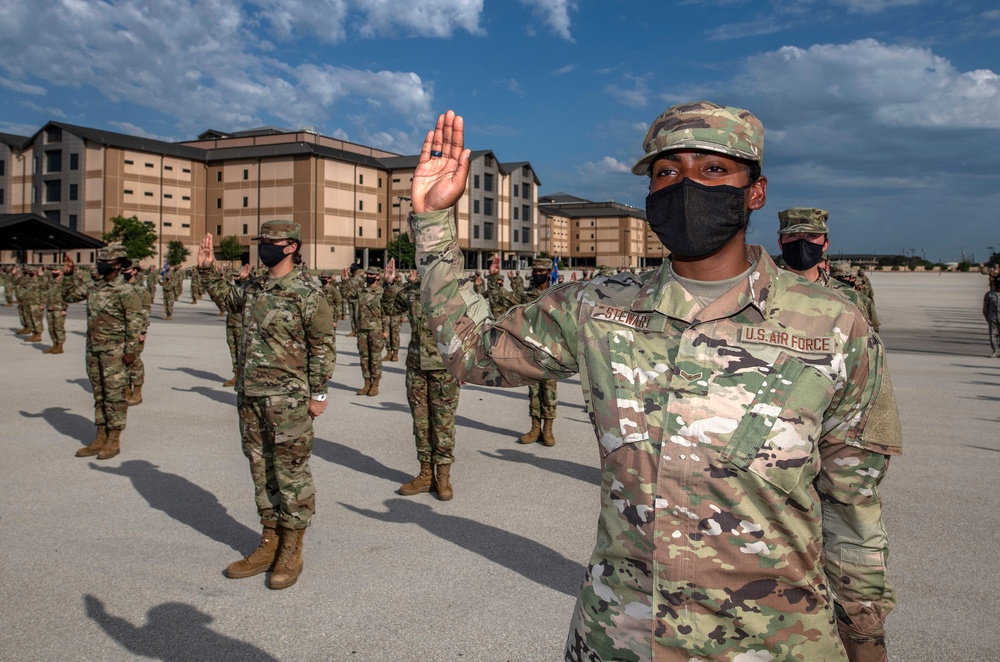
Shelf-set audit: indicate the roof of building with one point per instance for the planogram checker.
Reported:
(125, 141)
(34, 232)
(560, 198)
(290, 149)
(14, 140)
(514, 165)
(563, 204)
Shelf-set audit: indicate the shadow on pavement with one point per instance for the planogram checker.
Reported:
(185, 502)
(460, 421)
(524, 556)
(353, 459)
(517, 395)
(227, 397)
(174, 631)
(82, 382)
(200, 374)
(69, 425)
(983, 448)
(566, 468)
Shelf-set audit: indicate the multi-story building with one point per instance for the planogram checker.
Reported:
(593, 234)
(350, 200)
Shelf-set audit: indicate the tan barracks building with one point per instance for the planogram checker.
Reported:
(350, 200)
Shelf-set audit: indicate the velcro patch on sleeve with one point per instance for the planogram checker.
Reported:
(778, 338)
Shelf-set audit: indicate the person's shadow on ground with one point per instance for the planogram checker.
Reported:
(174, 631)
(185, 502)
(69, 425)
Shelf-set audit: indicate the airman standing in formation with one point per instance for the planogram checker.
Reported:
(841, 272)
(430, 390)
(32, 300)
(371, 330)
(55, 312)
(331, 290)
(137, 370)
(991, 311)
(234, 322)
(286, 357)
(7, 280)
(114, 324)
(170, 277)
(196, 288)
(744, 416)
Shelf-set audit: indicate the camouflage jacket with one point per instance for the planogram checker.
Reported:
(370, 308)
(332, 293)
(741, 447)
(114, 313)
(354, 285)
(146, 299)
(287, 344)
(32, 291)
(854, 296)
(991, 307)
(421, 354)
(54, 295)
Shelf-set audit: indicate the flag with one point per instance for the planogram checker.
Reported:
(555, 272)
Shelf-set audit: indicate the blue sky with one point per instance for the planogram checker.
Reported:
(884, 112)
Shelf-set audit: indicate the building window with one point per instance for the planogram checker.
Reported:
(34, 194)
(246, 173)
(185, 225)
(475, 206)
(74, 190)
(395, 180)
(218, 176)
(246, 201)
(380, 182)
(218, 203)
(361, 180)
(488, 231)
(167, 224)
(380, 233)
(244, 228)
(488, 181)
(475, 232)
(525, 213)
(149, 165)
(361, 205)
(53, 191)
(168, 196)
(53, 160)
(526, 191)
(515, 190)
(148, 194)
(53, 134)
(1, 196)
(72, 221)
(128, 191)
(52, 215)
(218, 229)
(128, 161)
(488, 206)
(517, 237)
(186, 170)
(380, 207)
(526, 235)
(515, 217)
(475, 181)
(3, 167)
(74, 161)
(361, 232)
(185, 197)
(168, 167)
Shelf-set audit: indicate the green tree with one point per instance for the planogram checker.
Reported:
(137, 236)
(230, 249)
(964, 266)
(403, 250)
(177, 252)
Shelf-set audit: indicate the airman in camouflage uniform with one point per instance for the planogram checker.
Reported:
(8, 286)
(234, 322)
(286, 358)
(842, 274)
(744, 423)
(803, 238)
(542, 396)
(32, 299)
(137, 370)
(19, 279)
(55, 312)
(430, 389)
(196, 287)
(331, 290)
(353, 282)
(114, 324)
(991, 311)
(371, 331)
(392, 324)
(170, 278)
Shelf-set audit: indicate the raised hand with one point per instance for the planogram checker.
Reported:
(68, 265)
(573, 277)
(245, 272)
(443, 169)
(390, 271)
(495, 265)
(206, 254)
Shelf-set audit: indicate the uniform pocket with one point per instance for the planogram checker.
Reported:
(628, 378)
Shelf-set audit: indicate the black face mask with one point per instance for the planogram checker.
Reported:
(105, 268)
(693, 220)
(271, 254)
(539, 279)
(802, 254)
(371, 280)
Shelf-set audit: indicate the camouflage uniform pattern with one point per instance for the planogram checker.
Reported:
(196, 287)
(32, 298)
(170, 278)
(430, 389)
(991, 311)
(370, 329)
(741, 449)
(137, 371)
(114, 322)
(55, 310)
(856, 296)
(286, 354)
(7, 280)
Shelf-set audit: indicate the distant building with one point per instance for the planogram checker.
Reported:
(595, 234)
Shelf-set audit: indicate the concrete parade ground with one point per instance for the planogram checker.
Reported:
(122, 559)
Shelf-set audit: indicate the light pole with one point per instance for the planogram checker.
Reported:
(399, 223)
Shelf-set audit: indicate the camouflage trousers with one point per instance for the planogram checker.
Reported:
(35, 315)
(8, 294)
(108, 378)
(344, 309)
(57, 326)
(392, 345)
(995, 336)
(233, 334)
(542, 399)
(168, 303)
(277, 436)
(433, 398)
(355, 321)
(370, 346)
(22, 315)
(137, 371)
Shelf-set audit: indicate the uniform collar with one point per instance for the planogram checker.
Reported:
(268, 283)
(663, 294)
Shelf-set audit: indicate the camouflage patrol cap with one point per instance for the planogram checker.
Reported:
(802, 219)
(840, 268)
(280, 229)
(706, 126)
(541, 264)
(606, 271)
(373, 270)
(114, 252)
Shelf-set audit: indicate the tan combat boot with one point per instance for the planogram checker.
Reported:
(547, 438)
(35, 337)
(531, 436)
(112, 447)
(135, 398)
(443, 482)
(48, 350)
(94, 447)
(289, 564)
(22, 331)
(395, 355)
(259, 560)
(230, 382)
(364, 389)
(168, 317)
(57, 349)
(352, 334)
(420, 483)
(373, 391)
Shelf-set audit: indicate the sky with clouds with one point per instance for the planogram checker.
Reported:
(884, 112)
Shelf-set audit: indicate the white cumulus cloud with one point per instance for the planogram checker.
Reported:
(555, 14)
